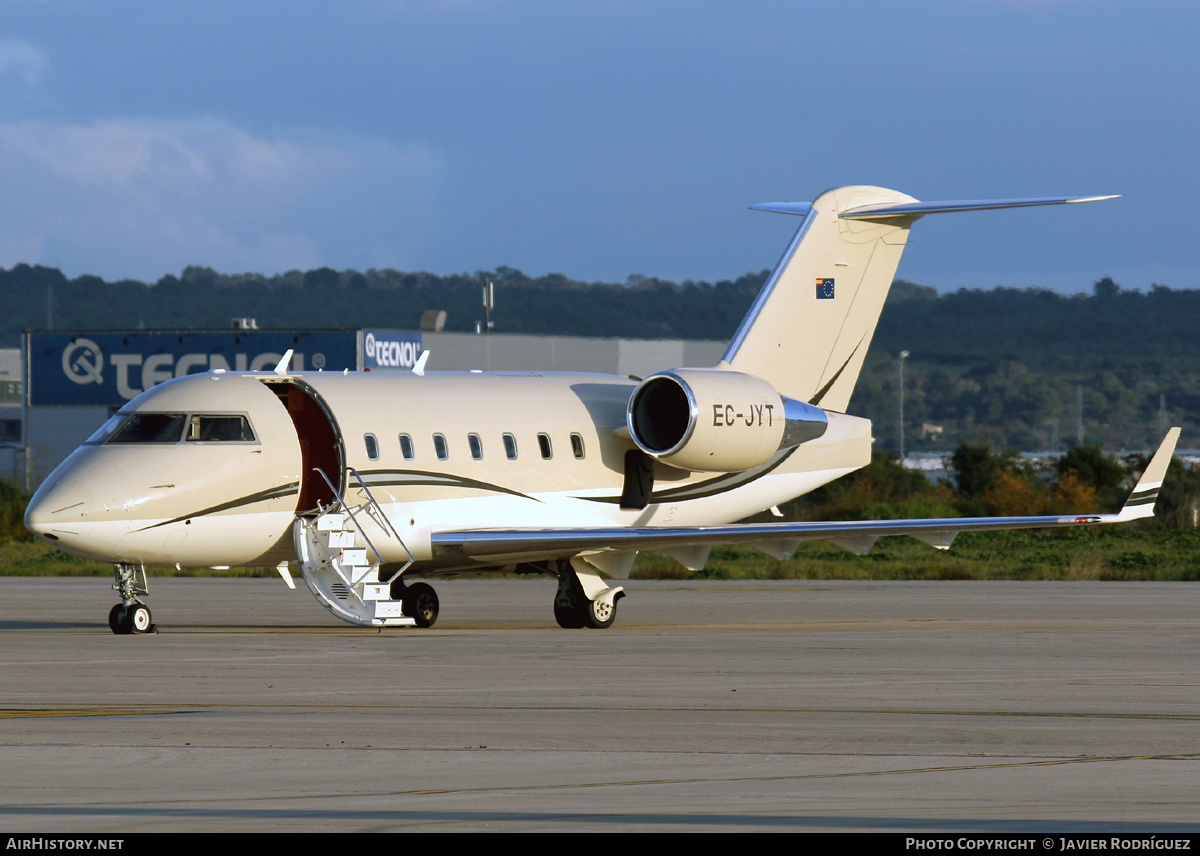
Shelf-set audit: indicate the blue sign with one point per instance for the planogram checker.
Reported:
(390, 349)
(94, 368)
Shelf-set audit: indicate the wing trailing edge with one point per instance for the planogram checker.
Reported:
(780, 539)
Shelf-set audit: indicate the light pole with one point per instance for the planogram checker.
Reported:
(900, 362)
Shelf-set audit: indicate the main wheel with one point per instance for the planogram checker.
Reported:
(599, 614)
(570, 605)
(116, 619)
(421, 602)
(138, 618)
(569, 617)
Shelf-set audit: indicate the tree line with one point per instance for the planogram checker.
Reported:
(980, 482)
(1013, 368)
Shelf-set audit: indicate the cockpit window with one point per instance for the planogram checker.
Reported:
(228, 429)
(150, 428)
(174, 428)
(105, 431)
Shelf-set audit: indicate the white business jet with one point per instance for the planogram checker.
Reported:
(367, 479)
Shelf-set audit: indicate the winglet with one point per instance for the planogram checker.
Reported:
(1145, 493)
(282, 367)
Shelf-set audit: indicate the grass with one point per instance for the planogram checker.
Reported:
(1113, 553)
(1109, 553)
(35, 559)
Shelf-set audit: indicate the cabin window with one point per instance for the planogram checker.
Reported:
(544, 445)
(510, 447)
(476, 446)
(216, 429)
(372, 445)
(439, 447)
(406, 447)
(577, 445)
(150, 428)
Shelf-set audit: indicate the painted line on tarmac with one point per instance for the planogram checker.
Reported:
(9, 713)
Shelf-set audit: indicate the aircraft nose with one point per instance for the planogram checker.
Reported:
(56, 506)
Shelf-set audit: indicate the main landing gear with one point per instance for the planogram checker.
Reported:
(130, 615)
(583, 598)
(419, 600)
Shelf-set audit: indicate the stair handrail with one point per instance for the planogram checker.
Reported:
(383, 516)
(350, 511)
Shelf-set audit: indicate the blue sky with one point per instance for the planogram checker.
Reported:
(594, 138)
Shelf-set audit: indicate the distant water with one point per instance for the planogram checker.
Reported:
(936, 465)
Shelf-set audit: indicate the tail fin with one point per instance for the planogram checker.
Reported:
(808, 330)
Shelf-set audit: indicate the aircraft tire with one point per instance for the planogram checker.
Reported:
(116, 619)
(421, 602)
(600, 615)
(137, 617)
(569, 617)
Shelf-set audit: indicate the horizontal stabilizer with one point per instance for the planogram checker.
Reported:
(920, 209)
(832, 281)
(800, 208)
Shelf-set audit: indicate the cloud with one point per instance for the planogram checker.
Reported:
(140, 198)
(26, 61)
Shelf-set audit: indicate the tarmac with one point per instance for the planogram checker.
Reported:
(928, 708)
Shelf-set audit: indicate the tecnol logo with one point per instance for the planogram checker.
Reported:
(102, 368)
(385, 349)
(83, 362)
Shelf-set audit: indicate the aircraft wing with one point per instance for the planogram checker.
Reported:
(781, 539)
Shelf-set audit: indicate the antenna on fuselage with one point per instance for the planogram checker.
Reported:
(419, 368)
(282, 368)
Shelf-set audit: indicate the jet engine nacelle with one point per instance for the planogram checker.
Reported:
(717, 421)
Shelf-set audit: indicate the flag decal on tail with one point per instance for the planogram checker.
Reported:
(825, 288)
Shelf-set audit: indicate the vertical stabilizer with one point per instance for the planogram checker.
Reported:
(809, 328)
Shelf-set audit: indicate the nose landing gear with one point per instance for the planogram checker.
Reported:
(130, 615)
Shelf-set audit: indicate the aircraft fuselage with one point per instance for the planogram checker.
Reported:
(447, 450)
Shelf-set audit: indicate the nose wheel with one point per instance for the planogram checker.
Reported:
(124, 619)
(130, 615)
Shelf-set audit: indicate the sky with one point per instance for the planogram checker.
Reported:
(594, 138)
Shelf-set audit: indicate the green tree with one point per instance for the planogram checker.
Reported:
(1178, 505)
(974, 469)
(1102, 472)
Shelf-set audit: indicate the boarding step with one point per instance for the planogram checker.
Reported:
(340, 575)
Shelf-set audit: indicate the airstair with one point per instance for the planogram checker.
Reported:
(341, 565)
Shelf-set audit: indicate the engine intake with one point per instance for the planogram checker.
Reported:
(717, 421)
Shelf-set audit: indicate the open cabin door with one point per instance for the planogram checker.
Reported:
(331, 546)
(321, 444)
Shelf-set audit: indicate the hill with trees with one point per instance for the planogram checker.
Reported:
(1010, 368)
